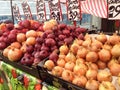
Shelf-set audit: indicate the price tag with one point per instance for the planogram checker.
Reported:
(26, 10)
(56, 83)
(55, 9)
(16, 12)
(40, 6)
(71, 87)
(114, 9)
(73, 10)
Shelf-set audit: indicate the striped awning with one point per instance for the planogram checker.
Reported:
(95, 7)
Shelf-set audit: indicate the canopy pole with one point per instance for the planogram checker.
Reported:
(12, 11)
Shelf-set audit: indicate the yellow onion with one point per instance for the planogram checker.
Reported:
(106, 85)
(104, 75)
(115, 51)
(86, 43)
(102, 38)
(80, 81)
(104, 55)
(74, 48)
(78, 41)
(92, 85)
(114, 39)
(101, 64)
(91, 74)
(107, 47)
(96, 43)
(70, 57)
(115, 69)
(81, 53)
(64, 49)
(91, 56)
(87, 36)
(80, 69)
(92, 65)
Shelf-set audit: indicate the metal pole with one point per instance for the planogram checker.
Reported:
(12, 11)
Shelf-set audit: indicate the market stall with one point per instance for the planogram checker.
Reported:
(40, 51)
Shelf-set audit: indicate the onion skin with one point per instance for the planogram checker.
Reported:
(80, 69)
(57, 71)
(91, 56)
(70, 57)
(80, 81)
(74, 48)
(81, 53)
(107, 47)
(104, 55)
(102, 38)
(105, 85)
(114, 39)
(86, 43)
(92, 85)
(91, 74)
(61, 62)
(115, 51)
(15, 54)
(101, 64)
(64, 49)
(92, 65)
(67, 75)
(104, 75)
(96, 43)
(111, 62)
(115, 69)
(49, 64)
(87, 36)
(80, 60)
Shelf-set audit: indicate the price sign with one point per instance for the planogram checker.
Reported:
(26, 10)
(73, 10)
(16, 12)
(114, 9)
(40, 6)
(55, 9)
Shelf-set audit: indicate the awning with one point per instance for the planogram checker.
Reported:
(95, 7)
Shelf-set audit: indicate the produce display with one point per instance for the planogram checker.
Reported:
(29, 41)
(88, 61)
(14, 79)
(92, 63)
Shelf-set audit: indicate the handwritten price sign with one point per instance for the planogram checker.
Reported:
(73, 10)
(114, 9)
(16, 12)
(55, 9)
(40, 6)
(26, 10)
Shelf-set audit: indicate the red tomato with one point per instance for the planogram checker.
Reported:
(26, 81)
(38, 87)
(14, 73)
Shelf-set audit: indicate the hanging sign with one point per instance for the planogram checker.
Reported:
(40, 6)
(26, 10)
(55, 9)
(73, 10)
(16, 12)
(114, 9)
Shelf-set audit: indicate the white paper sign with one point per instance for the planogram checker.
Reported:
(55, 10)
(26, 10)
(114, 9)
(16, 12)
(40, 6)
(73, 10)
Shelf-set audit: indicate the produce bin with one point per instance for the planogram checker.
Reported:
(53, 80)
(15, 79)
